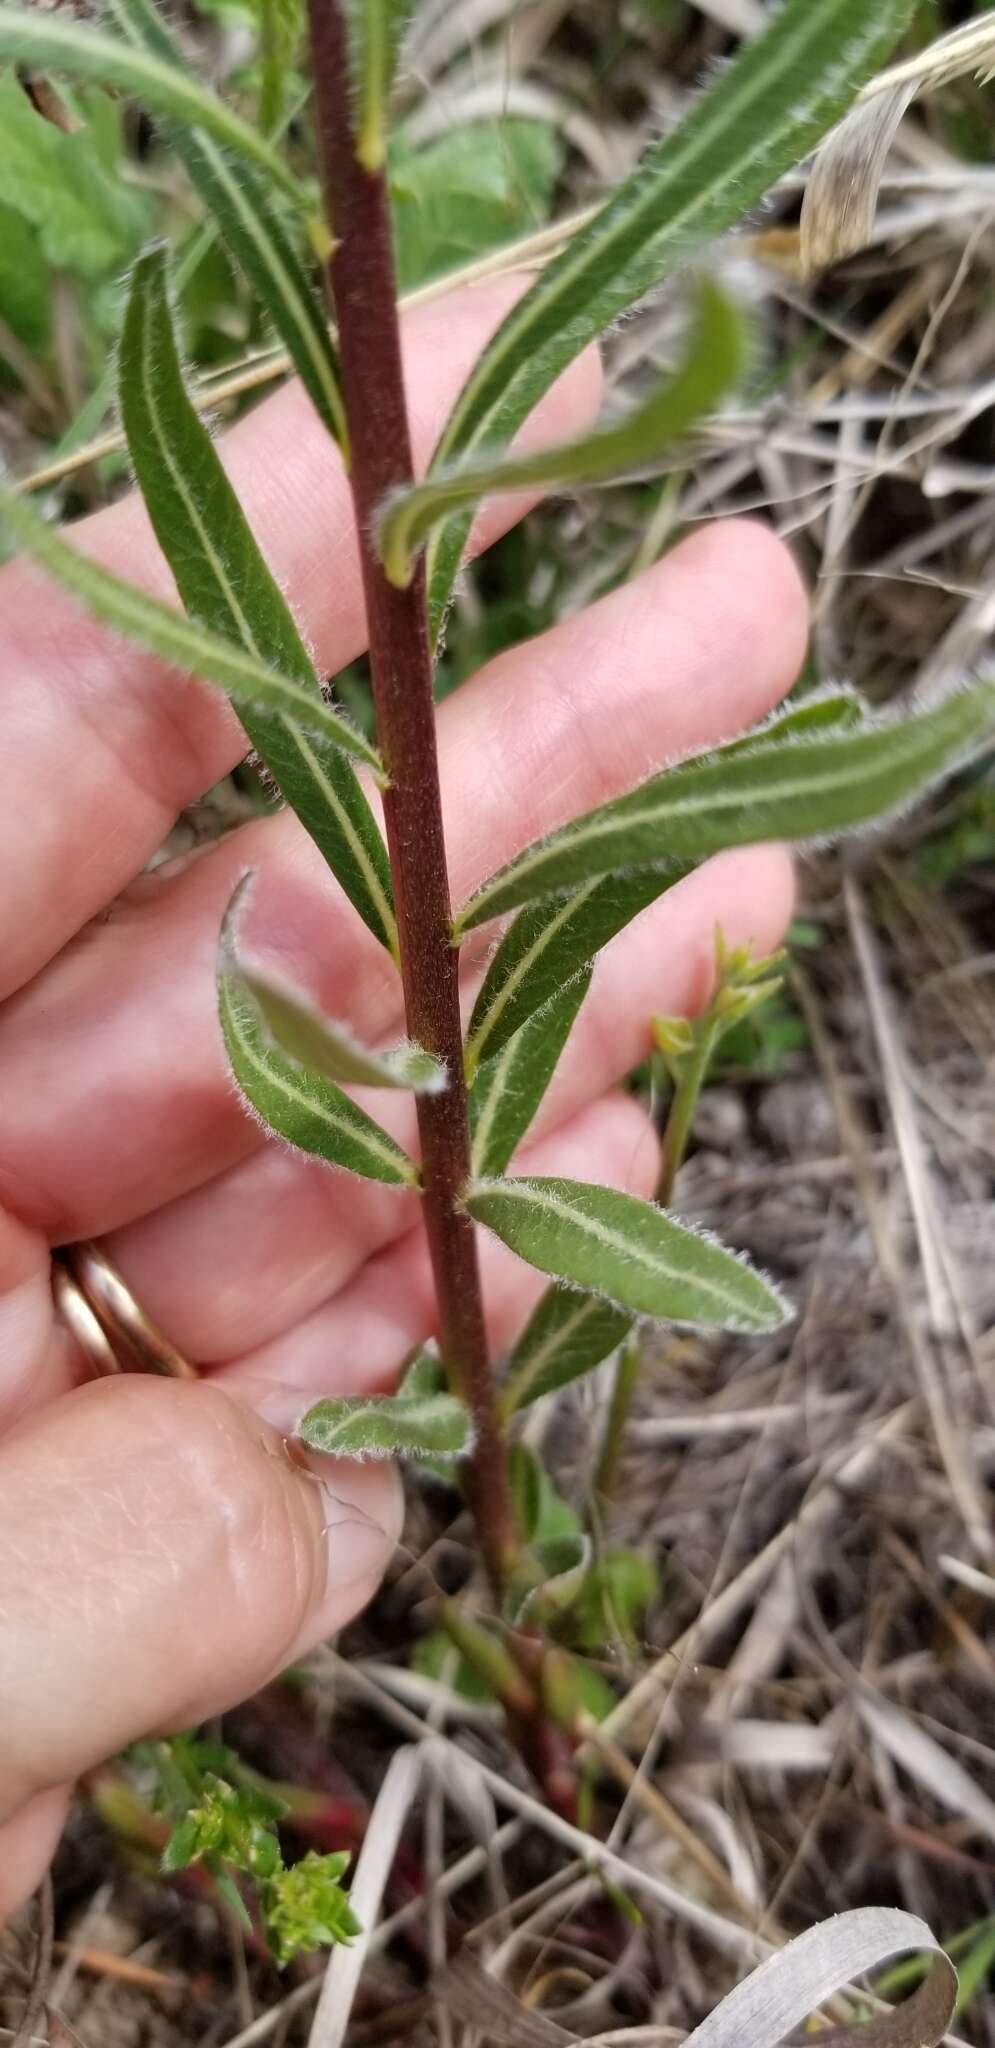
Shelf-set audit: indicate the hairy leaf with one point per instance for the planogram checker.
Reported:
(240, 202)
(324, 1047)
(759, 117)
(551, 941)
(304, 1108)
(389, 1426)
(627, 1250)
(225, 584)
(801, 790)
(508, 1090)
(566, 1336)
(376, 28)
(184, 643)
(71, 49)
(709, 366)
(546, 946)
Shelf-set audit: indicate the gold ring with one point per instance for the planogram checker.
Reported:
(109, 1325)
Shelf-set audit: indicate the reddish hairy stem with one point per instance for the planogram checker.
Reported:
(362, 287)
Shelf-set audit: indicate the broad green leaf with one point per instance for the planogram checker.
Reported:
(757, 119)
(311, 1113)
(225, 584)
(551, 941)
(324, 1047)
(250, 683)
(376, 28)
(389, 1426)
(627, 1250)
(85, 220)
(708, 368)
(241, 204)
(470, 191)
(566, 1336)
(508, 1090)
(801, 790)
(71, 49)
(617, 1591)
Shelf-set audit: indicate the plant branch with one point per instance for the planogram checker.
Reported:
(362, 287)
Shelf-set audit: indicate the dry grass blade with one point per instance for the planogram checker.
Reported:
(784, 1991)
(923, 1758)
(480, 2001)
(842, 195)
(346, 1966)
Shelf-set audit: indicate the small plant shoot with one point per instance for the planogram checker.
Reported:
(445, 1106)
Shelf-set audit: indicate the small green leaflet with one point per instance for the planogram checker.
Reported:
(400, 1425)
(566, 1336)
(324, 1047)
(508, 1090)
(550, 941)
(551, 1578)
(628, 1251)
(241, 204)
(311, 1113)
(709, 366)
(70, 49)
(182, 642)
(760, 117)
(376, 29)
(225, 584)
(798, 789)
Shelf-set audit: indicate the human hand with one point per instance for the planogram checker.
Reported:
(160, 1556)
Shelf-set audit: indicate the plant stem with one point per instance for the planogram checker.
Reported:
(617, 1420)
(362, 287)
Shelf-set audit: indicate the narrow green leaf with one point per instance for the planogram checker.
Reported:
(548, 944)
(628, 1251)
(551, 941)
(240, 203)
(71, 49)
(249, 683)
(324, 1047)
(550, 1579)
(541, 1512)
(508, 1090)
(311, 1113)
(376, 28)
(389, 1426)
(801, 790)
(566, 1336)
(225, 584)
(759, 118)
(709, 366)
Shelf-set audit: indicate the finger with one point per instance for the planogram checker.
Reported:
(106, 745)
(249, 1254)
(355, 1341)
(28, 1843)
(136, 1513)
(696, 650)
(36, 1356)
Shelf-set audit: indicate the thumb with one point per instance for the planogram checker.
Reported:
(161, 1557)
